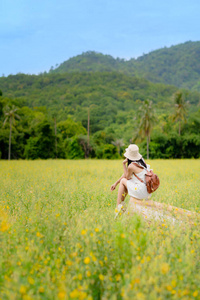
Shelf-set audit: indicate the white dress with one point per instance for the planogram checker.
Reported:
(136, 188)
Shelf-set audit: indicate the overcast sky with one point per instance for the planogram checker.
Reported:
(35, 34)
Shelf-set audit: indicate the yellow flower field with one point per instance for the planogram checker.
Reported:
(59, 239)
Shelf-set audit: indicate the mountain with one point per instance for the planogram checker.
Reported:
(177, 65)
(90, 61)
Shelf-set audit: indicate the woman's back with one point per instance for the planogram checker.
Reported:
(136, 188)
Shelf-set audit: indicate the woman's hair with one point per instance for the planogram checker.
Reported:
(139, 162)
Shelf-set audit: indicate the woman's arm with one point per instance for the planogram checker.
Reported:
(113, 186)
(125, 168)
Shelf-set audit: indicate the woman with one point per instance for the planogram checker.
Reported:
(135, 169)
(133, 182)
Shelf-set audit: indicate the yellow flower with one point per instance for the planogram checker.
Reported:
(88, 273)
(31, 280)
(22, 289)
(38, 234)
(87, 260)
(140, 296)
(96, 229)
(174, 283)
(118, 277)
(80, 277)
(82, 295)
(195, 294)
(83, 232)
(61, 295)
(74, 294)
(164, 268)
(94, 258)
(27, 297)
(122, 235)
(137, 280)
(101, 277)
(69, 262)
(41, 289)
(4, 226)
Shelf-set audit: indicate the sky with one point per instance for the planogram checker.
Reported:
(35, 34)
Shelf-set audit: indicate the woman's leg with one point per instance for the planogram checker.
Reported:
(122, 191)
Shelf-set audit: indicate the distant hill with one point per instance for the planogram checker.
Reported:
(177, 65)
(90, 61)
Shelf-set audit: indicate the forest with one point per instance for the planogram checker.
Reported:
(77, 112)
(94, 115)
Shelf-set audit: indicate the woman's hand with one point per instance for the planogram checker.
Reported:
(125, 161)
(113, 187)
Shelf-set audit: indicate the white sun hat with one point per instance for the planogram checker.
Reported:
(132, 152)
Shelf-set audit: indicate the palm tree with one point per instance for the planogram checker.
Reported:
(119, 144)
(147, 119)
(180, 108)
(10, 114)
(88, 130)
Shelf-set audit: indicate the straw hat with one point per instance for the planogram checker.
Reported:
(132, 152)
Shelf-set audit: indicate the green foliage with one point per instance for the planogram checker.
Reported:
(178, 65)
(107, 151)
(180, 108)
(42, 144)
(69, 128)
(89, 61)
(74, 149)
(174, 146)
(146, 120)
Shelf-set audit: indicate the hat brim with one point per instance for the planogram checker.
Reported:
(128, 155)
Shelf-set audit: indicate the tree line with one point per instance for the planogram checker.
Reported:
(39, 132)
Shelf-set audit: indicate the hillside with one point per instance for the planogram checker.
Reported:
(90, 61)
(110, 92)
(178, 65)
(114, 95)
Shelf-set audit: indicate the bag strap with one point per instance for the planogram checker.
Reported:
(138, 178)
(141, 167)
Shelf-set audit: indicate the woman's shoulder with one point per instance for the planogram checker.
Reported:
(134, 167)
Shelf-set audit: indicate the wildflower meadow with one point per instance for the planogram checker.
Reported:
(59, 238)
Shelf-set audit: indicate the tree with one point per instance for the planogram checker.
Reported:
(41, 145)
(70, 128)
(88, 129)
(180, 108)
(146, 121)
(10, 114)
(119, 144)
